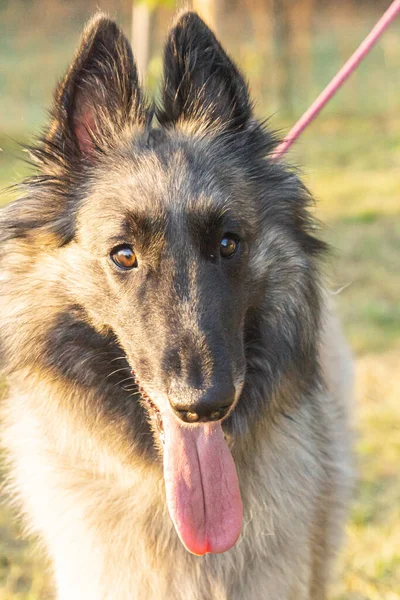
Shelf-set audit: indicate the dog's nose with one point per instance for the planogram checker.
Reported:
(211, 405)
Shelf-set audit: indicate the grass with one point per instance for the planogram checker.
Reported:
(23, 575)
(371, 558)
(356, 183)
(353, 171)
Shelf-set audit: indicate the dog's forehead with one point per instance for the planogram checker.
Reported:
(162, 179)
(171, 169)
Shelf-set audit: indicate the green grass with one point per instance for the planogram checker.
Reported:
(23, 574)
(370, 561)
(357, 185)
(353, 171)
(370, 278)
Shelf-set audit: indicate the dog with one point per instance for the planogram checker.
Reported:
(176, 423)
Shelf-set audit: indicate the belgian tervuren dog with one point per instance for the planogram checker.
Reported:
(176, 420)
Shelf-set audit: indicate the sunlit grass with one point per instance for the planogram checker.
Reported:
(359, 201)
(371, 558)
(23, 573)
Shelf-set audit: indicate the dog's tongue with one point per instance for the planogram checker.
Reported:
(202, 487)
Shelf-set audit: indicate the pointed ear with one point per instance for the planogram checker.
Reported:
(100, 94)
(201, 82)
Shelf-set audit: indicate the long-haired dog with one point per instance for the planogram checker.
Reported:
(176, 420)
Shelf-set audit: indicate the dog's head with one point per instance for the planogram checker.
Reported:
(165, 229)
(188, 245)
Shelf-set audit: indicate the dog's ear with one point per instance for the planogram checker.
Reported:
(100, 94)
(201, 83)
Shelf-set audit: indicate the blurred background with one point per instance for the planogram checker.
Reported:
(350, 158)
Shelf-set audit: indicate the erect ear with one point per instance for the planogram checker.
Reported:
(201, 82)
(100, 94)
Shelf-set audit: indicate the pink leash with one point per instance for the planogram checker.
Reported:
(338, 80)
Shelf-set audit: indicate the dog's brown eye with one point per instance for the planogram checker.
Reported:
(124, 257)
(229, 245)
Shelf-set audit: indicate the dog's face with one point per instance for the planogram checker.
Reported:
(189, 247)
(166, 231)
(170, 268)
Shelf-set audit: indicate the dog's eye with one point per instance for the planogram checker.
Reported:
(229, 245)
(124, 257)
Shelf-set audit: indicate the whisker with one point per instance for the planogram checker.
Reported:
(118, 371)
(118, 358)
(126, 379)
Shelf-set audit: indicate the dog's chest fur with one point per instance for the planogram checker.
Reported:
(112, 532)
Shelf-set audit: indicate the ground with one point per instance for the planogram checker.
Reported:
(352, 167)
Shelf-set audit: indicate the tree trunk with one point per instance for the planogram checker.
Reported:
(141, 14)
(210, 11)
(302, 25)
(282, 36)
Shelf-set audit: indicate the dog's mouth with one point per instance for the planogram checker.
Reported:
(153, 411)
(201, 483)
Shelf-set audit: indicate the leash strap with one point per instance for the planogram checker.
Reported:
(338, 80)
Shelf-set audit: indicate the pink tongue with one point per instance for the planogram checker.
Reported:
(202, 488)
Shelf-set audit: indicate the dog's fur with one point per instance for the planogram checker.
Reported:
(85, 454)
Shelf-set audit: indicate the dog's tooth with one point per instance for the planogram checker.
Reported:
(215, 415)
(160, 427)
(192, 417)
